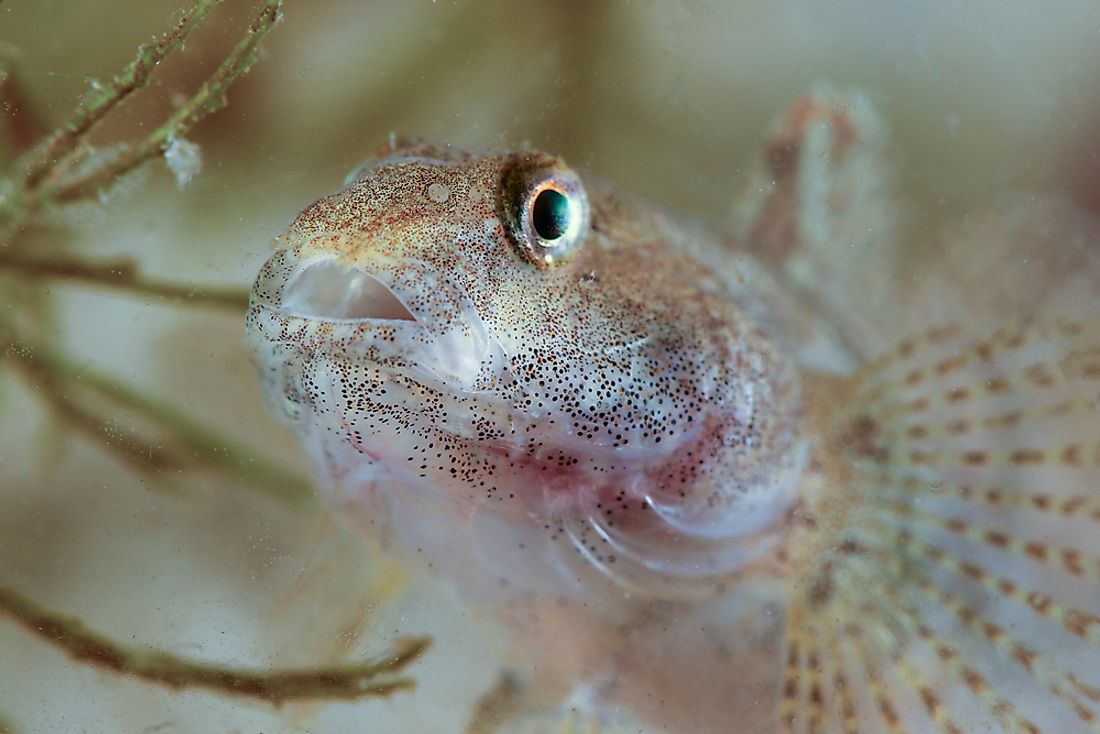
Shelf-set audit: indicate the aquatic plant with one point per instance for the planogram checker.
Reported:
(45, 172)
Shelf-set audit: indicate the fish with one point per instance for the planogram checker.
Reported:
(710, 480)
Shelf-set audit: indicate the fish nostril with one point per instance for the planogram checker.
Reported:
(329, 290)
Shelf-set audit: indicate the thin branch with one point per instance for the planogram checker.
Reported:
(210, 97)
(188, 444)
(347, 682)
(143, 456)
(69, 136)
(123, 275)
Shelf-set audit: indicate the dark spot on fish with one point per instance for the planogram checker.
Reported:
(975, 458)
(958, 395)
(1027, 456)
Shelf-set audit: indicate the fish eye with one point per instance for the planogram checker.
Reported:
(547, 209)
(550, 214)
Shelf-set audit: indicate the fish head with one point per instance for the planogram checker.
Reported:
(493, 337)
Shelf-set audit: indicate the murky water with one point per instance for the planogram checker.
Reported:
(177, 533)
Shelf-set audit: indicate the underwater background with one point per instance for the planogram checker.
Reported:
(199, 551)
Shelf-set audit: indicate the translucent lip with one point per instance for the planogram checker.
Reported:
(326, 290)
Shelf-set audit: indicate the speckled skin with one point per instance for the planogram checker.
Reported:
(610, 422)
(617, 394)
(642, 452)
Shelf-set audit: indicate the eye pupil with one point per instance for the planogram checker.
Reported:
(550, 214)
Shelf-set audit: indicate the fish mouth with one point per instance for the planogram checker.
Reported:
(401, 315)
(327, 290)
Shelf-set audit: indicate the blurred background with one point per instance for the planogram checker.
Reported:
(986, 101)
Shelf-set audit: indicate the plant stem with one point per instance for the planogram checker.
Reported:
(210, 97)
(84, 645)
(69, 136)
(123, 275)
(143, 456)
(187, 443)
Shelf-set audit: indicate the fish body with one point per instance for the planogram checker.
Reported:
(661, 454)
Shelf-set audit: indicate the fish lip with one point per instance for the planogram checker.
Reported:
(326, 290)
(279, 329)
(427, 326)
